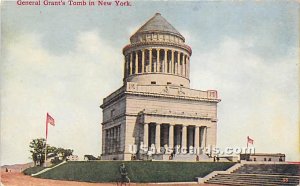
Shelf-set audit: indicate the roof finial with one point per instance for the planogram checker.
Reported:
(157, 13)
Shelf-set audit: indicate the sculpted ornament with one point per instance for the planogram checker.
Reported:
(166, 90)
(132, 86)
(180, 91)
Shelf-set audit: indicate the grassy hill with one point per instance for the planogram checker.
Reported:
(33, 170)
(138, 171)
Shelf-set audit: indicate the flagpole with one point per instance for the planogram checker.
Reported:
(46, 140)
(49, 120)
(247, 141)
(45, 155)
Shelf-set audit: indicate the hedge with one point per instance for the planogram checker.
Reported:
(138, 171)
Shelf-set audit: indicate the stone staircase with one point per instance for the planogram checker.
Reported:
(270, 169)
(253, 179)
(257, 174)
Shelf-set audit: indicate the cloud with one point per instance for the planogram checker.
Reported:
(258, 96)
(70, 86)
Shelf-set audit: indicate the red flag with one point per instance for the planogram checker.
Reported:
(50, 120)
(249, 140)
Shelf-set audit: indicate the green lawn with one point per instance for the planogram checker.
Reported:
(138, 171)
(33, 170)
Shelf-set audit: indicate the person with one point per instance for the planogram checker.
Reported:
(124, 173)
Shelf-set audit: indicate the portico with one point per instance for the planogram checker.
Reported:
(183, 135)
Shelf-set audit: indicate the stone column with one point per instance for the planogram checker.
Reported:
(188, 67)
(158, 62)
(104, 141)
(146, 133)
(143, 61)
(166, 62)
(205, 137)
(173, 65)
(114, 139)
(136, 62)
(125, 67)
(184, 136)
(109, 140)
(171, 136)
(150, 60)
(117, 138)
(178, 63)
(154, 62)
(130, 61)
(183, 65)
(197, 139)
(157, 137)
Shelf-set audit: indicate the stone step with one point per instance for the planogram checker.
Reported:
(258, 176)
(252, 179)
(246, 178)
(257, 181)
(249, 182)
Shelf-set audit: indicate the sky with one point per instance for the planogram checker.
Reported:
(65, 59)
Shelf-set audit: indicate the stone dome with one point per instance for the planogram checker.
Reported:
(157, 55)
(157, 24)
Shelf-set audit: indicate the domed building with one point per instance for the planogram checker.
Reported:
(156, 107)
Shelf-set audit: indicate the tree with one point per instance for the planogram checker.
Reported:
(64, 153)
(37, 150)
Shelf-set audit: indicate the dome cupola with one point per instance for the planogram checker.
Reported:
(157, 54)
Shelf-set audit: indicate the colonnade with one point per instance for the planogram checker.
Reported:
(112, 139)
(174, 135)
(157, 60)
